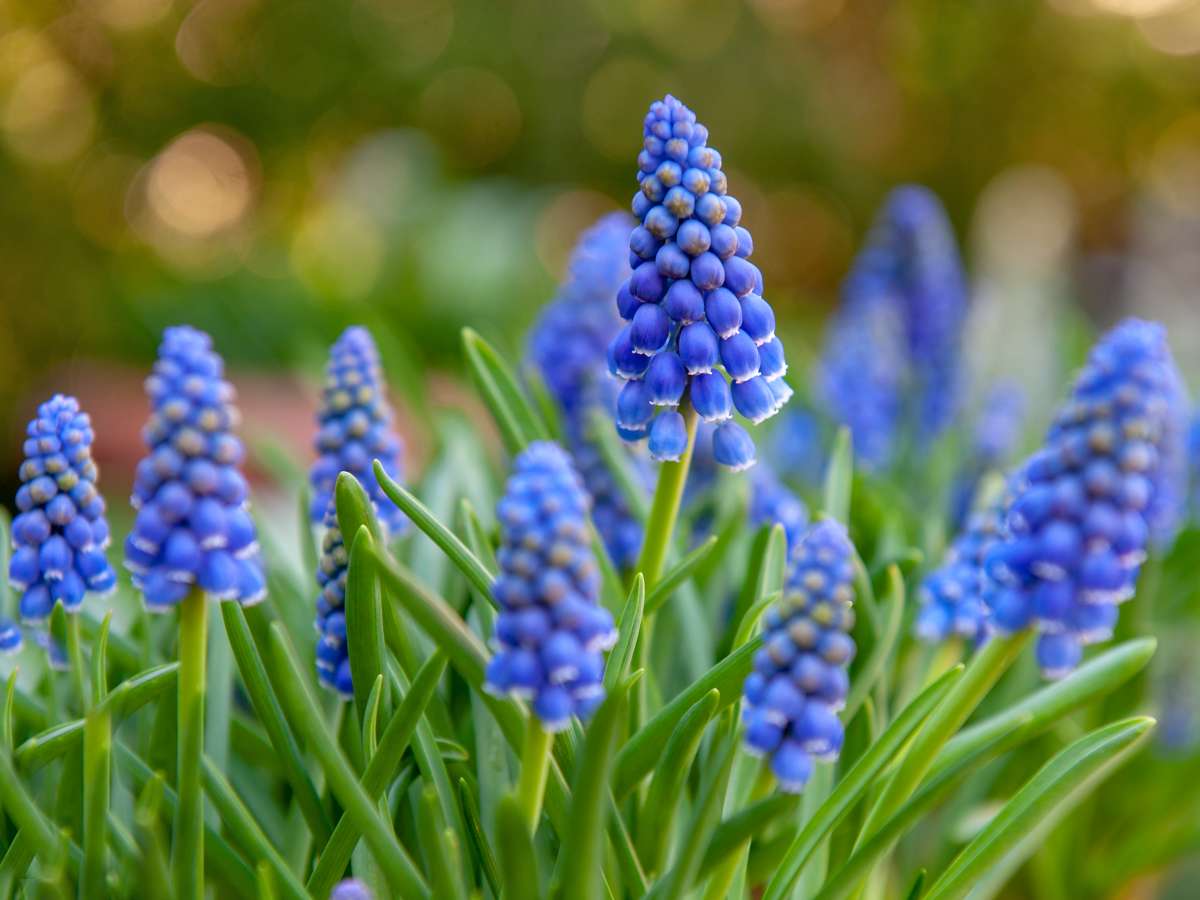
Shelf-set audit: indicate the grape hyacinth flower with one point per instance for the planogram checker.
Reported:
(773, 503)
(568, 345)
(799, 680)
(354, 427)
(193, 527)
(351, 889)
(193, 537)
(860, 376)
(699, 331)
(955, 596)
(551, 631)
(11, 639)
(797, 447)
(60, 532)
(1088, 503)
(333, 654)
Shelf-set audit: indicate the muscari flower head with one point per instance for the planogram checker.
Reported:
(351, 889)
(1088, 503)
(995, 435)
(551, 632)
(799, 680)
(910, 266)
(860, 375)
(60, 532)
(333, 654)
(568, 345)
(698, 327)
(797, 446)
(10, 636)
(773, 503)
(955, 597)
(354, 427)
(193, 527)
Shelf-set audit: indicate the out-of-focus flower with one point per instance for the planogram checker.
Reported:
(354, 427)
(193, 527)
(797, 448)
(10, 636)
(551, 632)
(773, 503)
(861, 374)
(698, 327)
(60, 533)
(1088, 503)
(333, 654)
(996, 434)
(568, 345)
(799, 680)
(351, 889)
(903, 310)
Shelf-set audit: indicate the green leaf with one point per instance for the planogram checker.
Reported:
(478, 842)
(854, 784)
(705, 816)
(370, 722)
(379, 772)
(518, 422)
(245, 831)
(100, 661)
(641, 752)
(876, 663)
(629, 628)
(743, 826)
(677, 575)
(981, 673)
(97, 785)
(305, 716)
(1025, 820)
(153, 871)
(20, 806)
(661, 807)
(270, 716)
(583, 842)
(364, 623)
(439, 846)
(839, 477)
(449, 543)
(354, 509)
(518, 864)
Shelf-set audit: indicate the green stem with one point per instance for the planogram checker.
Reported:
(187, 858)
(535, 764)
(97, 767)
(75, 655)
(660, 526)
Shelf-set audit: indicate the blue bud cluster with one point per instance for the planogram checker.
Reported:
(11, 639)
(698, 324)
(568, 345)
(956, 596)
(799, 682)
(333, 653)
(551, 632)
(354, 427)
(60, 532)
(1086, 504)
(193, 525)
(773, 503)
(910, 263)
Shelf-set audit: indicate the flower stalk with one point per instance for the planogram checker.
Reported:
(188, 850)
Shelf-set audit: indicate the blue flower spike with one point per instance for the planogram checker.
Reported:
(800, 680)
(1106, 483)
(551, 632)
(333, 654)
(699, 329)
(193, 527)
(60, 532)
(896, 343)
(569, 348)
(354, 427)
(773, 503)
(351, 889)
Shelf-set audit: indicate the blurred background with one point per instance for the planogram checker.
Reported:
(273, 172)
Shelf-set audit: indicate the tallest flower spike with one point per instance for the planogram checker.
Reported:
(192, 529)
(699, 330)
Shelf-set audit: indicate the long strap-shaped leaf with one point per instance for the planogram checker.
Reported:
(851, 789)
(447, 541)
(519, 423)
(402, 874)
(1055, 790)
